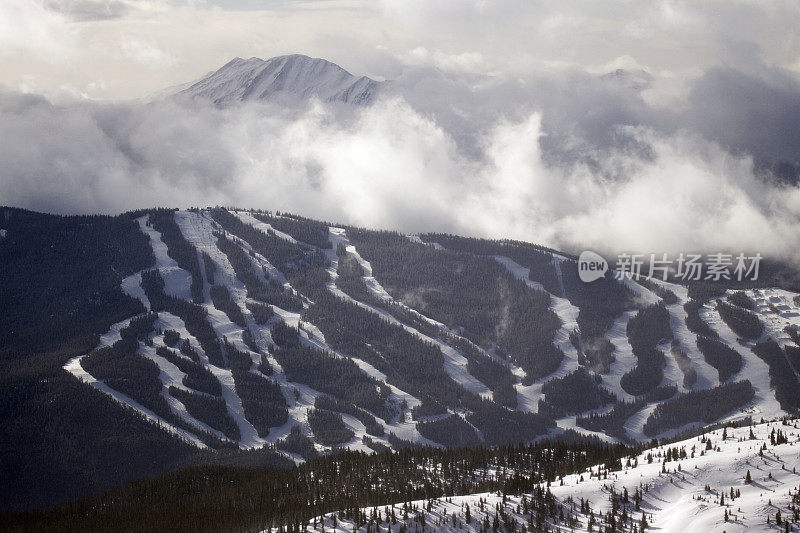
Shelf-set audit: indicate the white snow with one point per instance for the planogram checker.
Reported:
(707, 375)
(74, 367)
(644, 296)
(177, 281)
(522, 273)
(286, 77)
(198, 229)
(624, 360)
(249, 435)
(416, 239)
(672, 497)
(171, 376)
(753, 368)
(634, 426)
(570, 422)
(247, 218)
(113, 334)
(776, 308)
(674, 501)
(132, 286)
(528, 396)
(455, 364)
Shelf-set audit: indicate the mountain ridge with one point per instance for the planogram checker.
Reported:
(293, 76)
(220, 331)
(296, 77)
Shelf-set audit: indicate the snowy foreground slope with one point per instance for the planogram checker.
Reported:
(386, 409)
(688, 491)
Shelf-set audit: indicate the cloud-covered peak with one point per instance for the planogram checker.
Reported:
(282, 78)
(606, 124)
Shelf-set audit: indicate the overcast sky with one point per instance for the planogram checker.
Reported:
(130, 48)
(503, 123)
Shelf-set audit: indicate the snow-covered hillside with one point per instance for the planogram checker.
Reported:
(284, 77)
(240, 270)
(732, 479)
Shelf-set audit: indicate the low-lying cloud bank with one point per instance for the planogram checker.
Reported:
(575, 164)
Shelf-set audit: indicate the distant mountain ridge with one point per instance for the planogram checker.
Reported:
(293, 76)
(297, 77)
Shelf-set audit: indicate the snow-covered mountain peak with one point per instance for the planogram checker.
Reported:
(288, 77)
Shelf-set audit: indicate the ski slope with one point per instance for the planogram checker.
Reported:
(528, 396)
(455, 364)
(707, 375)
(753, 368)
(777, 309)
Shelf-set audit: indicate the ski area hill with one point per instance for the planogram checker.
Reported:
(167, 338)
(231, 352)
(730, 479)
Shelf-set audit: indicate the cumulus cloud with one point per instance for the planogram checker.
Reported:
(673, 39)
(31, 29)
(638, 126)
(392, 166)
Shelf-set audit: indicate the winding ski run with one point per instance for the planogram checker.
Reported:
(775, 308)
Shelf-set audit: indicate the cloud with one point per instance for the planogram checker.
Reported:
(652, 126)
(756, 113)
(393, 166)
(145, 53)
(89, 10)
(379, 38)
(29, 28)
